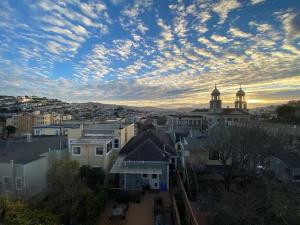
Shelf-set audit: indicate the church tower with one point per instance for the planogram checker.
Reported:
(240, 102)
(215, 102)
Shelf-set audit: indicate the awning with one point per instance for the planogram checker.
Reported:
(135, 168)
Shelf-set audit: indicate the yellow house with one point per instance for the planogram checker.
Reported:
(98, 145)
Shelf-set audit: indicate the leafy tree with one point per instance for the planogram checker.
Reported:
(92, 177)
(286, 113)
(19, 213)
(10, 130)
(64, 190)
(76, 194)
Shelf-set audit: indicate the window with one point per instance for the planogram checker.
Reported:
(213, 155)
(116, 143)
(108, 146)
(154, 176)
(7, 183)
(144, 175)
(99, 150)
(19, 183)
(296, 177)
(76, 151)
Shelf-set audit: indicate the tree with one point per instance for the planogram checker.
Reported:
(76, 194)
(221, 141)
(64, 190)
(10, 130)
(92, 177)
(286, 113)
(19, 213)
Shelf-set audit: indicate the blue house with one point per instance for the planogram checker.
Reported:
(145, 162)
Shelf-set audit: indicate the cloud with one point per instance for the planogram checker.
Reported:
(290, 21)
(224, 7)
(254, 2)
(218, 38)
(238, 33)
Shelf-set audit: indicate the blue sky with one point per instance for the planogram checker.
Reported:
(151, 52)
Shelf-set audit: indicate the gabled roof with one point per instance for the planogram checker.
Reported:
(147, 146)
(23, 152)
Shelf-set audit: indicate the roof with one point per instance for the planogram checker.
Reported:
(240, 92)
(200, 110)
(195, 144)
(290, 158)
(57, 126)
(97, 132)
(147, 146)
(135, 168)
(23, 152)
(234, 111)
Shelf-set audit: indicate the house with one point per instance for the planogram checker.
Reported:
(24, 164)
(97, 145)
(53, 130)
(286, 167)
(145, 162)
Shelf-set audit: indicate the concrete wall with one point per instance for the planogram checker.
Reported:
(35, 176)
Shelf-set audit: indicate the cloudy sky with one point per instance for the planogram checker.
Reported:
(151, 52)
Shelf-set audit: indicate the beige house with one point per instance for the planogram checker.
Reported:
(98, 145)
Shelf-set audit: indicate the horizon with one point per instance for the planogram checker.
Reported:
(164, 54)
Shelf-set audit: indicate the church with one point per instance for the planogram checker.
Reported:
(201, 119)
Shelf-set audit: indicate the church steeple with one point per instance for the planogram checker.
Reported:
(215, 102)
(240, 102)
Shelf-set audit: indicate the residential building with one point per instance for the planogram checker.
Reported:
(24, 164)
(24, 122)
(53, 130)
(145, 162)
(97, 145)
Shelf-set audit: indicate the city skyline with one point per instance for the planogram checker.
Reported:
(151, 53)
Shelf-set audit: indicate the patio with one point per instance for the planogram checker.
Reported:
(138, 213)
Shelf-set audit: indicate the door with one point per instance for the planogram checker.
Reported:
(154, 181)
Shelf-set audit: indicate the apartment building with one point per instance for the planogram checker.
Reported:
(98, 145)
(24, 122)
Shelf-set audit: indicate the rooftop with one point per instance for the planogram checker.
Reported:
(147, 146)
(23, 152)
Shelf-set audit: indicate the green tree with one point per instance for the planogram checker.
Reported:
(76, 194)
(286, 113)
(92, 177)
(19, 213)
(10, 130)
(64, 190)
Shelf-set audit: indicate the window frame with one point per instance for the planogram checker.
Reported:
(144, 176)
(4, 184)
(96, 150)
(79, 150)
(116, 139)
(21, 184)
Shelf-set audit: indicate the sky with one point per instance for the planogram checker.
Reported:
(151, 52)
